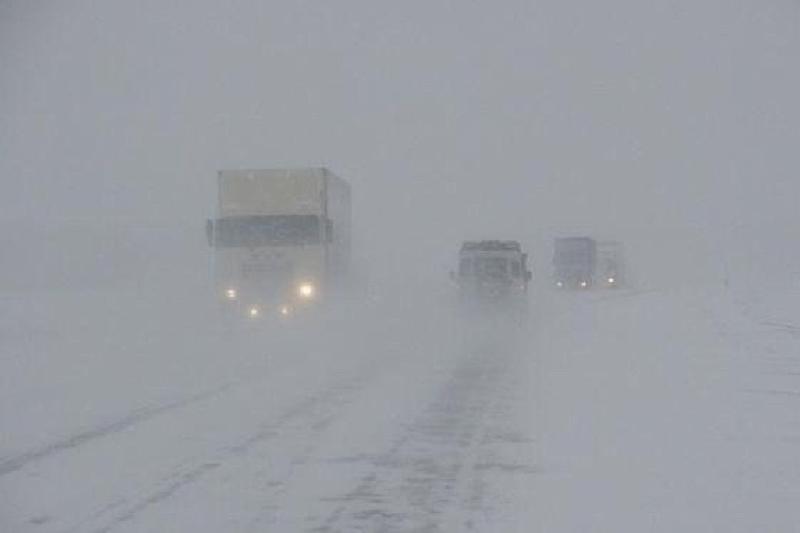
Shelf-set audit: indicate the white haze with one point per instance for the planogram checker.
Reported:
(670, 126)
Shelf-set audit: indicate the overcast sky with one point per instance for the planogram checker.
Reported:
(456, 117)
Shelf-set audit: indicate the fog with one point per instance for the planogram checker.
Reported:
(672, 128)
(522, 119)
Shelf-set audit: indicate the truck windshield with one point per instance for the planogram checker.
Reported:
(267, 230)
(573, 256)
(577, 251)
(491, 267)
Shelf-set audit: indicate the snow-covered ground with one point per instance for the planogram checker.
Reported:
(130, 410)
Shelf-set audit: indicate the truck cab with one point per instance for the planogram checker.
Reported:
(492, 272)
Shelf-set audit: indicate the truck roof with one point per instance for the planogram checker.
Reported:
(277, 173)
(490, 246)
(574, 239)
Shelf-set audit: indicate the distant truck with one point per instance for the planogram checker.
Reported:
(610, 269)
(574, 262)
(281, 239)
(492, 272)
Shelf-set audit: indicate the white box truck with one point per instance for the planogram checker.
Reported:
(281, 239)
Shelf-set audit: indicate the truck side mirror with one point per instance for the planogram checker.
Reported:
(528, 275)
(210, 232)
(329, 230)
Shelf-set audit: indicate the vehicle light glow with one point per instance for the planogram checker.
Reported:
(306, 290)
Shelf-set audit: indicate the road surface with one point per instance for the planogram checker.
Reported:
(605, 411)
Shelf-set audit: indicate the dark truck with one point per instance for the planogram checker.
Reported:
(493, 273)
(574, 261)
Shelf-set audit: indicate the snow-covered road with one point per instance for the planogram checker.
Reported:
(624, 411)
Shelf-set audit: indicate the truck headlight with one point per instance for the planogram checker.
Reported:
(584, 284)
(284, 309)
(559, 284)
(306, 290)
(611, 281)
(231, 294)
(254, 311)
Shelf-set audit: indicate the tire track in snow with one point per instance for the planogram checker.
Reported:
(319, 410)
(436, 466)
(135, 417)
(783, 327)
